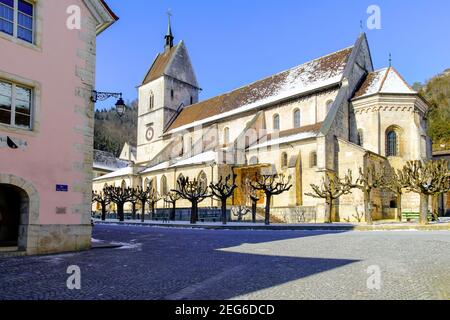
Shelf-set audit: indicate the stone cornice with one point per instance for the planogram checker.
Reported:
(101, 14)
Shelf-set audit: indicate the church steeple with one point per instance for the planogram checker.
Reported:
(169, 36)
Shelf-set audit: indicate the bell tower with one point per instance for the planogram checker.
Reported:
(169, 85)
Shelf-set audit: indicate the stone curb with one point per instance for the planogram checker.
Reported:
(440, 227)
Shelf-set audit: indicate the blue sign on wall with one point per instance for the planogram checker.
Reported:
(62, 188)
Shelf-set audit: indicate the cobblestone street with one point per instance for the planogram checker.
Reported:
(165, 263)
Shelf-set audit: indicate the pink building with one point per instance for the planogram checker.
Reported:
(47, 74)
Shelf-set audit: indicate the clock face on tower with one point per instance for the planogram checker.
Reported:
(149, 134)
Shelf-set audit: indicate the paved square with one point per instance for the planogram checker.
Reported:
(166, 263)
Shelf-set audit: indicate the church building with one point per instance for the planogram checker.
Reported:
(332, 114)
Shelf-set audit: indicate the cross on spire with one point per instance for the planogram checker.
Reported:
(169, 36)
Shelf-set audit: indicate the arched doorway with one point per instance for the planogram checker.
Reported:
(14, 203)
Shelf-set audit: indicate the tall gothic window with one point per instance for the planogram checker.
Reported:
(391, 144)
(313, 160)
(329, 105)
(151, 103)
(284, 160)
(297, 118)
(360, 138)
(276, 122)
(226, 135)
(203, 179)
(163, 185)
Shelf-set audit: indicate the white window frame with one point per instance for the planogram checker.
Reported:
(12, 123)
(16, 21)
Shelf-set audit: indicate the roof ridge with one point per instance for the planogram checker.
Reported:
(401, 78)
(268, 77)
(384, 80)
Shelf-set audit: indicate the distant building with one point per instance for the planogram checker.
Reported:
(47, 74)
(106, 162)
(444, 201)
(331, 114)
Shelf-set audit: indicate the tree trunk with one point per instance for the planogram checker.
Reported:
(254, 211)
(133, 210)
(153, 211)
(398, 213)
(435, 206)
(194, 212)
(267, 211)
(103, 212)
(120, 213)
(143, 211)
(328, 210)
(173, 211)
(423, 209)
(224, 210)
(367, 209)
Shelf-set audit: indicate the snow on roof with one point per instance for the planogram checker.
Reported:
(319, 73)
(118, 173)
(204, 157)
(386, 80)
(161, 166)
(287, 139)
(107, 161)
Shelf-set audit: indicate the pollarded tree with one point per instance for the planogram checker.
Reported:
(153, 198)
(103, 200)
(441, 168)
(427, 180)
(369, 178)
(119, 196)
(223, 190)
(271, 185)
(332, 188)
(142, 195)
(172, 198)
(396, 183)
(194, 191)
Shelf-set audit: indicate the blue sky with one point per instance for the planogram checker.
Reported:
(235, 42)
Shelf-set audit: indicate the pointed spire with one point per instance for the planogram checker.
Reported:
(169, 36)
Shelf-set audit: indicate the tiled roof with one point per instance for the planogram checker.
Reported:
(311, 75)
(386, 80)
(159, 65)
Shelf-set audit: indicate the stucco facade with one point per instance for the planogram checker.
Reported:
(49, 163)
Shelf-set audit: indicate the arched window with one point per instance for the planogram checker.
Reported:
(276, 122)
(171, 94)
(151, 102)
(329, 105)
(181, 145)
(253, 160)
(226, 135)
(313, 159)
(297, 123)
(360, 138)
(284, 160)
(163, 189)
(123, 184)
(178, 179)
(191, 145)
(146, 183)
(391, 144)
(203, 179)
(297, 118)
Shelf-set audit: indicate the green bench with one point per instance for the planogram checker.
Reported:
(408, 216)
